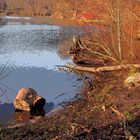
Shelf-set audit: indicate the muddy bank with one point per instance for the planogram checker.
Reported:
(96, 114)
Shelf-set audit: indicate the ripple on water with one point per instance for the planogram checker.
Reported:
(29, 54)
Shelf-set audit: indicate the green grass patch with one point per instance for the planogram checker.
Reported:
(104, 92)
(135, 107)
(129, 115)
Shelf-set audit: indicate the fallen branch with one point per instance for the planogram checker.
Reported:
(102, 69)
(120, 115)
(127, 133)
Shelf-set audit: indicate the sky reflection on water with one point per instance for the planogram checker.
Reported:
(29, 54)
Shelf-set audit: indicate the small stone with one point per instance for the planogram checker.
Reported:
(132, 80)
(28, 100)
(103, 108)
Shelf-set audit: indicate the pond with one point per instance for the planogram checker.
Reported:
(29, 56)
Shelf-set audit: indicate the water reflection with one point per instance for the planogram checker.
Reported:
(48, 83)
(14, 17)
(24, 116)
(32, 55)
(29, 37)
(32, 59)
(21, 116)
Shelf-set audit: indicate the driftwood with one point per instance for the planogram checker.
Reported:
(102, 69)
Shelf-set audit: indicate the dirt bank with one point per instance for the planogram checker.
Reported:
(105, 110)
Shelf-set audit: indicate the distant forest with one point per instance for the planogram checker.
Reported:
(94, 9)
(55, 8)
(32, 7)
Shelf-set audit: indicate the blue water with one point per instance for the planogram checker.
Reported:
(29, 58)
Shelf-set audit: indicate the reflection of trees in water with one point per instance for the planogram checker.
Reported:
(30, 38)
(64, 47)
(4, 89)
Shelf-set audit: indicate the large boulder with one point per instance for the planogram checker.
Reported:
(27, 99)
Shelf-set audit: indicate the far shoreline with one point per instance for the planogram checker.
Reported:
(40, 20)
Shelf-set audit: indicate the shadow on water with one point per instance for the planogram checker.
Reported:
(8, 113)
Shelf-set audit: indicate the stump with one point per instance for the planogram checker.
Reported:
(27, 99)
